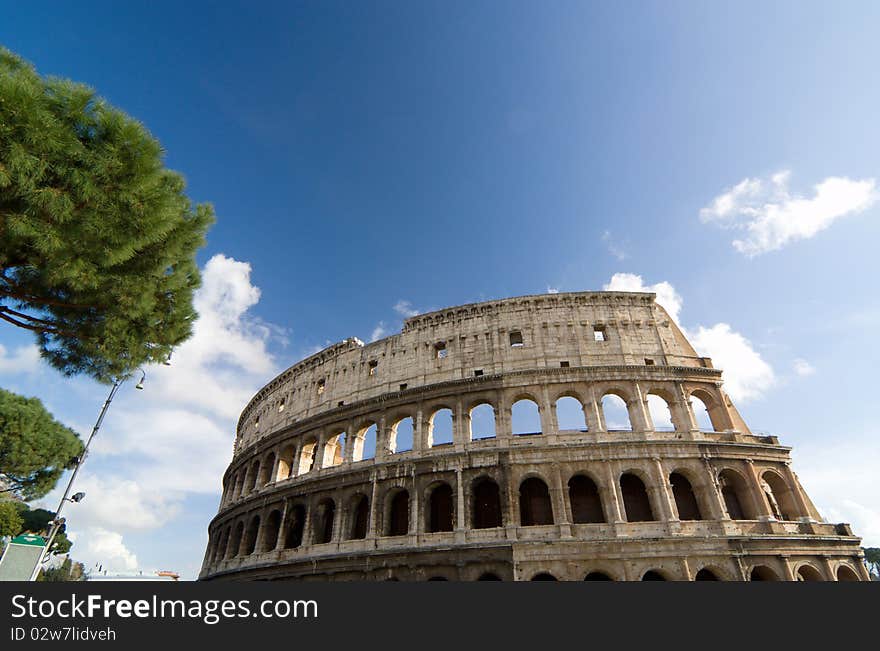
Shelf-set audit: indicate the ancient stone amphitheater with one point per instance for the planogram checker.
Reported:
(555, 437)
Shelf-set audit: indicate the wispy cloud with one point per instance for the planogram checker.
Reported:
(772, 217)
(614, 247)
(405, 309)
(379, 331)
(803, 368)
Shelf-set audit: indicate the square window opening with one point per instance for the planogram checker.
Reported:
(516, 339)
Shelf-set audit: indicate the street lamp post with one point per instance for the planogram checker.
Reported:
(58, 521)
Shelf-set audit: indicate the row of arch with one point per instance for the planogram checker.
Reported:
(588, 502)
(616, 413)
(806, 572)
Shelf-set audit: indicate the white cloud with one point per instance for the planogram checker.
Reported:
(773, 217)
(174, 439)
(746, 374)
(405, 309)
(803, 368)
(98, 546)
(614, 248)
(24, 359)
(666, 294)
(379, 331)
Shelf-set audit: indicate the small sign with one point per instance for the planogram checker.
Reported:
(21, 557)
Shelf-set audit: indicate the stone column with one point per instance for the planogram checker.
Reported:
(461, 517)
(612, 495)
(372, 532)
(350, 438)
(416, 526)
(686, 419)
(282, 527)
(638, 413)
(502, 418)
(383, 438)
(459, 431)
(560, 504)
(419, 443)
(320, 443)
(759, 498)
(664, 491)
(547, 411)
(787, 572)
(830, 575)
(595, 419)
(717, 501)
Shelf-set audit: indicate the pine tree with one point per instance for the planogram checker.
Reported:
(97, 238)
(35, 449)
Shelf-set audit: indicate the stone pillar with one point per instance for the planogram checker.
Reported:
(787, 572)
(612, 495)
(282, 527)
(717, 501)
(830, 574)
(461, 516)
(350, 438)
(372, 532)
(594, 418)
(764, 512)
(560, 504)
(686, 420)
(503, 428)
(419, 443)
(320, 443)
(459, 431)
(638, 413)
(547, 411)
(416, 526)
(383, 438)
(664, 492)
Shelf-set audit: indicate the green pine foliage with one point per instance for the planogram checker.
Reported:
(35, 449)
(10, 519)
(97, 238)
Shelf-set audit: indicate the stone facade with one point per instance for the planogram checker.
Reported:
(321, 486)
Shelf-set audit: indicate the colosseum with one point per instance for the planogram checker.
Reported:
(572, 436)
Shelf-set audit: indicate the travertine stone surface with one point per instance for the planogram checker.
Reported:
(306, 498)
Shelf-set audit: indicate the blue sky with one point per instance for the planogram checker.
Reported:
(366, 160)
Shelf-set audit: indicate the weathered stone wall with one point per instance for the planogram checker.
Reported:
(302, 500)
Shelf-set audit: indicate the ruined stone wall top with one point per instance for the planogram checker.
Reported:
(491, 337)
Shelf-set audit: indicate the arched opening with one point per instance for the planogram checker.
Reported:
(763, 573)
(779, 496)
(736, 495)
(440, 509)
(488, 576)
(597, 576)
(525, 419)
(685, 500)
(661, 415)
(616, 413)
(266, 470)
(653, 575)
(706, 575)
(586, 504)
(365, 443)
(534, 503)
(307, 457)
(482, 423)
(360, 517)
(324, 517)
(544, 576)
(846, 573)
(487, 504)
(809, 573)
(636, 504)
(440, 428)
(398, 514)
(570, 415)
(239, 485)
(235, 542)
(250, 540)
(253, 480)
(334, 450)
(296, 527)
(706, 411)
(222, 546)
(402, 435)
(286, 464)
(270, 534)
